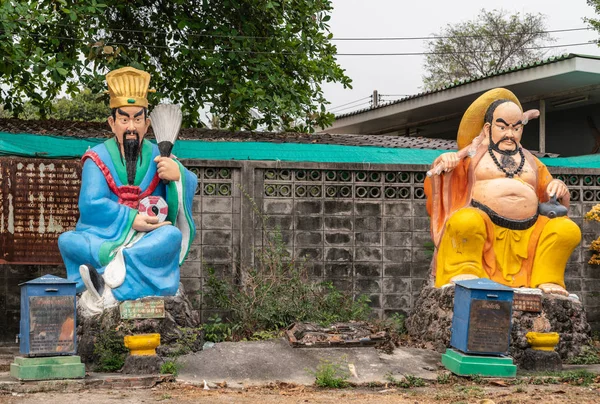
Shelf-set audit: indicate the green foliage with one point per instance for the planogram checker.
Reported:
(406, 382)
(577, 377)
(265, 335)
(170, 367)
(493, 41)
(396, 324)
(215, 330)
(83, 106)
(331, 375)
(259, 62)
(587, 356)
(444, 378)
(277, 293)
(188, 341)
(110, 350)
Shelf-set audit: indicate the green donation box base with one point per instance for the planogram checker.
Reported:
(47, 368)
(468, 365)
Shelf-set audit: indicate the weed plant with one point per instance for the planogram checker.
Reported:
(330, 375)
(278, 292)
(170, 367)
(587, 356)
(111, 351)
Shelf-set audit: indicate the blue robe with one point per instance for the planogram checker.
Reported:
(151, 264)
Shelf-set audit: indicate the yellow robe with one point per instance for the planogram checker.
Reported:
(467, 242)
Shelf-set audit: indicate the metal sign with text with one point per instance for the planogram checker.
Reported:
(150, 308)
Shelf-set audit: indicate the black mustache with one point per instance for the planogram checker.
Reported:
(131, 132)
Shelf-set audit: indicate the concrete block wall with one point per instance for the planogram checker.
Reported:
(363, 227)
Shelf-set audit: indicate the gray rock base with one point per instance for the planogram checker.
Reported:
(179, 327)
(430, 323)
(540, 361)
(142, 365)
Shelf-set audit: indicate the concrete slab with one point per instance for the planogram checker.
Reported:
(260, 362)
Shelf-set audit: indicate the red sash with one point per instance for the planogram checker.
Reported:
(129, 195)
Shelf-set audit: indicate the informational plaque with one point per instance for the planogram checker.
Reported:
(527, 302)
(151, 308)
(51, 324)
(489, 326)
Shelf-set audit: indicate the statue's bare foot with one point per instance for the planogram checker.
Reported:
(553, 288)
(463, 277)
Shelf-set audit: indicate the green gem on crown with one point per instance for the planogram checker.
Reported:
(131, 100)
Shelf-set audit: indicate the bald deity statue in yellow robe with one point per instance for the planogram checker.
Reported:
(483, 202)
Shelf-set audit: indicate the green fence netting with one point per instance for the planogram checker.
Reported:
(28, 145)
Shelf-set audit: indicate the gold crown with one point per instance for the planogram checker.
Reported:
(473, 119)
(128, 87)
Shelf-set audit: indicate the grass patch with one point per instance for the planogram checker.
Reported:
(406, 382)
(587, 356)
(331, 375)
(170, 367)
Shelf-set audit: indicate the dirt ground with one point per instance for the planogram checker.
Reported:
(288, 394)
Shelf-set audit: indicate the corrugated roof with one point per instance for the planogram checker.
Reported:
(473, 79)
(91, 130)
(101, 130)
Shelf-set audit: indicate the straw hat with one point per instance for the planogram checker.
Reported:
(473, 118)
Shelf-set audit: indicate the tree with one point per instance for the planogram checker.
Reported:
(594, 22)
(493, 41)
(230, 55)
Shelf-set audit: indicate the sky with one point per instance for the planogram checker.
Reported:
(395, 76)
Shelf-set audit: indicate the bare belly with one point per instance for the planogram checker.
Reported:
(507, 197)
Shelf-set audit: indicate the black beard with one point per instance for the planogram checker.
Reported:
(496, 147)
(131, 149)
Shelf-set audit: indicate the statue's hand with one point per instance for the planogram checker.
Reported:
(146, 223)
(553, 288)
(558, 188)
(167, 168)
(448, 161)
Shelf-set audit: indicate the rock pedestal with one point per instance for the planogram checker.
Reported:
(179, 326)
(430, 323)
(541, 361)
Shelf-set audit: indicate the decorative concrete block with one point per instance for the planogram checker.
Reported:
(396, 285)
(397, 255)
(338, 270)
(394, 239)
(308, 207)
(338, 254)
(339, 238)
(338, 223)
(397, 270)
(309, 223)
(338, 207)
(397, 209)
(309, 238)
(397, 224)
(369, 223)
(368, 238)
(367, 254)
(367, 209)
(366, 269)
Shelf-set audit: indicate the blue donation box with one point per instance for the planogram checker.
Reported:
(48, 317)
(482, 317)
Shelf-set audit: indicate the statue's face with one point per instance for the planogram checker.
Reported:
(507, 126)
(130, 123)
